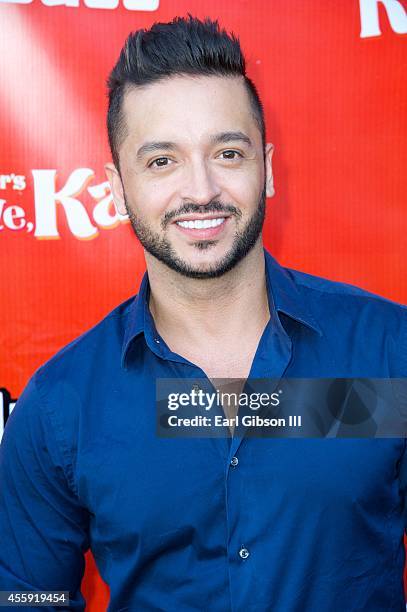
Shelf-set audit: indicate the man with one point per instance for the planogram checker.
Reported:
(203, 523)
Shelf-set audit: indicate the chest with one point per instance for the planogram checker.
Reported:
(233, 366)
(227, 360)
(143, 491)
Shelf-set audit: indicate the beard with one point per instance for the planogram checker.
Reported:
(244, 239)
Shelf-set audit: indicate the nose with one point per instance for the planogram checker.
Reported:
(200, 185)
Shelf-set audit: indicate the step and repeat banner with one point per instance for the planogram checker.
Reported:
(332, 76)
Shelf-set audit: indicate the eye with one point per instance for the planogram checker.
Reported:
(160, 162)
(231, 154)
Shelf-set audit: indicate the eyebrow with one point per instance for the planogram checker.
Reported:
(150, 147)
(225, 137)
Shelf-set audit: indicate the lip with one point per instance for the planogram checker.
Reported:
(202, 233)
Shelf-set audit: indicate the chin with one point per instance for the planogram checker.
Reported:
(203, 251)
(203, 261)
(202, 267)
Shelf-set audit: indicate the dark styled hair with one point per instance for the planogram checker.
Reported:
(184, 46)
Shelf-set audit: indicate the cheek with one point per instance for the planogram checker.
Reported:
(244, 186)
(245, 195)
(151, 201)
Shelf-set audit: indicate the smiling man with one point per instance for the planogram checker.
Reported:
(217, 523)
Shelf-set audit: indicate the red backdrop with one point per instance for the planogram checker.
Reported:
(332, 76)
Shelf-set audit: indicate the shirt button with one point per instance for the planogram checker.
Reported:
(244, 553)
(234, 461)
(157, 340)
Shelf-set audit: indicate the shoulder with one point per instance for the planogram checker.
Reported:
(343, 298)
(364, 330)
(75, 384)
(90, 354)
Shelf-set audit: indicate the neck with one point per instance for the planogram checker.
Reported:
(231, 306)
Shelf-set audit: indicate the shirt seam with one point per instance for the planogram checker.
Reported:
(62, 447)
(350, 290)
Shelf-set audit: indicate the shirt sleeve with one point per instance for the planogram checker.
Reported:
(403, 408)
(403, 484)
(43, 527)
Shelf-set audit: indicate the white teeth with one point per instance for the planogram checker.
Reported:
(201, 223)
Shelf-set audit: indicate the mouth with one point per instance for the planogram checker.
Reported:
(202, 227)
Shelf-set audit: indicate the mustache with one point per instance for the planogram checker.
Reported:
(191, 207)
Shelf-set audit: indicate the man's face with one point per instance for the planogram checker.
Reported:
(193, 174)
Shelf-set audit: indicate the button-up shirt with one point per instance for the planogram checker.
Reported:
(213, 523)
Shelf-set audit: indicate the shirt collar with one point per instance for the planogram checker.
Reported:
(136, 321)
(283, 294)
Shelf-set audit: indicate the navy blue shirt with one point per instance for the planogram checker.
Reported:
(188, 524)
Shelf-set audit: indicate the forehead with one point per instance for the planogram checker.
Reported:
(187, 108)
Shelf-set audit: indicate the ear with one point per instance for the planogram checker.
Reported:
(269, 170)
(116, 187)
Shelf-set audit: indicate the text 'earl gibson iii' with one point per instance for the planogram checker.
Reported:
(246, 421)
